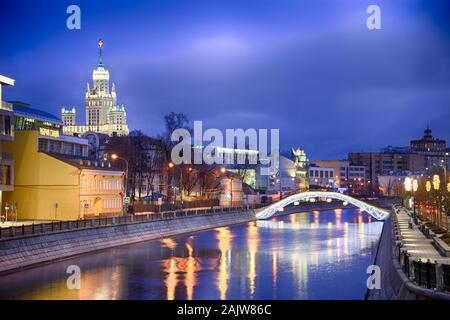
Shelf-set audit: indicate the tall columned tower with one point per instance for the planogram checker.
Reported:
(103, 114)
(99, 99)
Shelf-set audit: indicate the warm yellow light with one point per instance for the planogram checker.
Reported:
(448, 187)
(408, 184)
(436, 182)
(345, 203)
(428, 186)
(296, 203)
(171, 165)
(328, 200)
(415, 185)
(114, 156)
(223, 170)
(312, 200)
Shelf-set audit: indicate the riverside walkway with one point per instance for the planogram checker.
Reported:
(414, 241)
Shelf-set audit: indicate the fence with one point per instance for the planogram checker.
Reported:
(427, 274)
(152, 207)
(61, 226)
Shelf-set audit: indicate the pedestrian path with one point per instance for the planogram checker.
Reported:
(414, 241)
(8, 224)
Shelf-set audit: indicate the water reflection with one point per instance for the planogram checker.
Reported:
(307, 255)
(223, 236)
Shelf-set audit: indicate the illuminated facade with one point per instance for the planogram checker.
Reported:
(56, 186)
(290, 176)
(6, 134)
(53, 178)
(103, 114)
(433, 150)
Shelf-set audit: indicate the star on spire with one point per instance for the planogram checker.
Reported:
(100, 45)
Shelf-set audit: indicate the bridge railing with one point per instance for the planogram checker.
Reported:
(35, 229)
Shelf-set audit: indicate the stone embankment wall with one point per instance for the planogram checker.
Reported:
(28, 251)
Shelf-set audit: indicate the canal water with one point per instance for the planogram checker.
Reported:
(306, 255)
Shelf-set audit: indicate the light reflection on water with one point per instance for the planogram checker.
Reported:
(307, 255)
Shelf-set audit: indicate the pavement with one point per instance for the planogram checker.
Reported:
(415, 241)
(20, 223)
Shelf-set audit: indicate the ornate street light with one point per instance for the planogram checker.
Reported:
(436, 182)
(408, 184)
(415, 185)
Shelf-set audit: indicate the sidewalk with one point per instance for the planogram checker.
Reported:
(20, 223)
(415, 241)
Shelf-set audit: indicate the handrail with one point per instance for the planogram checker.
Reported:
(70, 225)
(429, 274)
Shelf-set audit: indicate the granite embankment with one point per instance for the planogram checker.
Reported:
(28, 251)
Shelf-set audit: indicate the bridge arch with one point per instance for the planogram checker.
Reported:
(267, 212)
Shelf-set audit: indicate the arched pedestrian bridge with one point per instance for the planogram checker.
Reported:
(267, 212)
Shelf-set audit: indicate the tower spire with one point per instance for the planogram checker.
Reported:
(100, 45)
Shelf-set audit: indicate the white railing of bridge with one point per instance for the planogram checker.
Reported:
(377, 213)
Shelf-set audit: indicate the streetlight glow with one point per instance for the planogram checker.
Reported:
(408, 184)
(428, 186)
(436, 182)
(415, 185)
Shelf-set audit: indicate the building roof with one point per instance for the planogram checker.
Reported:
(23, 110)
(6, 81)
(84, 162)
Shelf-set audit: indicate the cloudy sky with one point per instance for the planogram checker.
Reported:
(310, 68)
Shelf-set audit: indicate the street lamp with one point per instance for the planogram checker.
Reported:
(415, 187)
(115, 157)
(171, 165)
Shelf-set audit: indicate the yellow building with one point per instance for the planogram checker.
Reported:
(57, 186)
(6, 159)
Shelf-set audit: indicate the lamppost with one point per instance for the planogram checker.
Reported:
(115, 157)
(428, 189)
(436, 185)
(415, 187)
(172, 165)
(408, 187)
(125, 182)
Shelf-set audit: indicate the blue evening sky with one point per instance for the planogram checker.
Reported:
(308, 67)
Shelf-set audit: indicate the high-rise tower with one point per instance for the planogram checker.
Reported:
(103, 115)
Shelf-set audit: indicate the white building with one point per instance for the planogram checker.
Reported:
(290, 176)
(103, 114)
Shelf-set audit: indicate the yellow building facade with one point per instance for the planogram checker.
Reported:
(51, 186)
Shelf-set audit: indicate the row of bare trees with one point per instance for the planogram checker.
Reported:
(149, 158)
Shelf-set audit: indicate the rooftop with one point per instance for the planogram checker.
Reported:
(6, 81)
(23, 110)
(84, 162)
